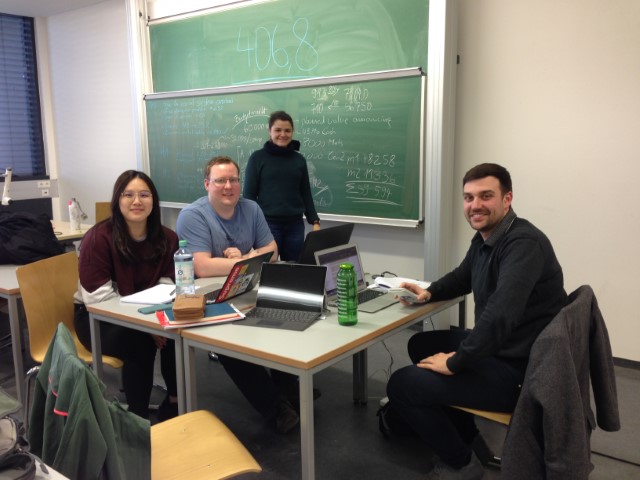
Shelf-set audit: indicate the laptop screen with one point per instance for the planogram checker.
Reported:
(323, 239)
(291, 286)
(332, 258)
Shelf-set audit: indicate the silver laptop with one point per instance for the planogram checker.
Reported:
(290, 297)
(369, 300)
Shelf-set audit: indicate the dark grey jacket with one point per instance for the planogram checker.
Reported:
(550, 432)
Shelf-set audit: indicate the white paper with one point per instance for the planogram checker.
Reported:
(161, 293)
(394, 282)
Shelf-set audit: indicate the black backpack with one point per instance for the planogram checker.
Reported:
(15, 460)
(26, 237)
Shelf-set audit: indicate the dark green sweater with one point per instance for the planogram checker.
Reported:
(278, 180)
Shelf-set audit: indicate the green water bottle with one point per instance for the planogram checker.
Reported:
(347, 295)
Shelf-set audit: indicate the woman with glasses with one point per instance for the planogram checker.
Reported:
(129, 252)
(277, 178)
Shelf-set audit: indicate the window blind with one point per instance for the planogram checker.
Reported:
(21, 141)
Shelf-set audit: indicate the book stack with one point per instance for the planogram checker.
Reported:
(215, 313)
(188, 307)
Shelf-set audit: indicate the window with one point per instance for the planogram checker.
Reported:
(21, 141)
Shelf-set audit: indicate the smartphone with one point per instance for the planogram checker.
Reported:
(405, 295)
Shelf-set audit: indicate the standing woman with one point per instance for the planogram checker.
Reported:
(125, 254)
(277, 178)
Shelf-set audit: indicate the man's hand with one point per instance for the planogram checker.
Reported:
(423, 295)
(437, 363)
(232, 252)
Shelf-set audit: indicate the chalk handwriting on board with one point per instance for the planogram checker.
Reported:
(267, 46)
(255, 42)
(361, 141)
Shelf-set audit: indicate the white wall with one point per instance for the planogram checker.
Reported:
(550, 89)
(91, 102)
(547, 88)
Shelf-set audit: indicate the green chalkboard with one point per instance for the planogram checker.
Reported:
(274, 41)
(362, 142)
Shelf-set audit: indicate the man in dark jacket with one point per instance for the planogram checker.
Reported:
(517, 284)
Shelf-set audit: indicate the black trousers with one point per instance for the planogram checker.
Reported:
(264, 388)
(421, 398)
(138, 351)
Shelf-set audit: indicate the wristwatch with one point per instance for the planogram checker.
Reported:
(317, 222)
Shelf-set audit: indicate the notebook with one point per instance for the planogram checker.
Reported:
(369, 300)
(242, 278)
(322, 239)
(290, 297)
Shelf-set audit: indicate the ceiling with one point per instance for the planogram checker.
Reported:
(42, 8)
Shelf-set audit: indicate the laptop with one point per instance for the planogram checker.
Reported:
(322, 239)
(290, 297)
(242, 278)
(369, 300)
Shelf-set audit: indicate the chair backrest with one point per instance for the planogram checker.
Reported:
(47, 288)
(103, 211)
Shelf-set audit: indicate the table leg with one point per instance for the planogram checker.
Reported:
(306, 426)
(462, 314)
(16, 345)
(190, 377)
(96, 346)
(180, 375)
(360, 384)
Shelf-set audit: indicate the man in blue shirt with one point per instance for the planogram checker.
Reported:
(221, 229)
(517, 284)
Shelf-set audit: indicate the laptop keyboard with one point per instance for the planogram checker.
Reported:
(368, 294)
(282, 314)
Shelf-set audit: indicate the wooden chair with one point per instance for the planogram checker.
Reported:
(193, 446)
(485, 454)
(197, 445)
(500, 417)
(103, 211)
(47, 288)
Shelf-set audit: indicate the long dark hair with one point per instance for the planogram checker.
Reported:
(155, 234)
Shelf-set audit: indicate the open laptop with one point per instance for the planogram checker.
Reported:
(369, 300)
(242, 278)
(290, 297)
(322, 239)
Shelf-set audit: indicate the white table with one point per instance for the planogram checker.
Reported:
(127, 315)
(64, 233)
(304, 353)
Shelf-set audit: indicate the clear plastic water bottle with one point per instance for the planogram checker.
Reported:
(347, 295)
(185, 277)
(75, 215)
